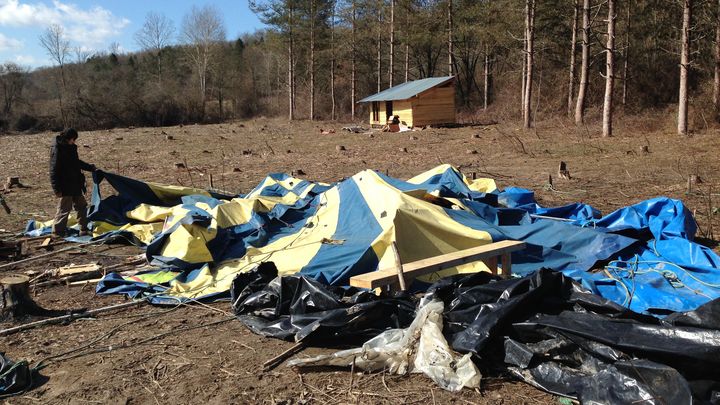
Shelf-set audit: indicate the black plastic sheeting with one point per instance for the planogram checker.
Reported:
(299, 308)
(543, 328)
(550, 332)
(15, 378)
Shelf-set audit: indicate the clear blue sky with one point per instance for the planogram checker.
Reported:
(95, 24)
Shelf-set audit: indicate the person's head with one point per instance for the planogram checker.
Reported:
(69, 135)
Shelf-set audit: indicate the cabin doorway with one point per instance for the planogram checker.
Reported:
(388, 109)
(375, 111)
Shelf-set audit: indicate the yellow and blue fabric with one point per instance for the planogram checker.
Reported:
(331, 232)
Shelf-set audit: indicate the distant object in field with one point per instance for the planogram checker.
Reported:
(422, 102)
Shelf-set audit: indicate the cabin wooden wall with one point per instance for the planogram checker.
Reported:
(403, 108)
(435, 106)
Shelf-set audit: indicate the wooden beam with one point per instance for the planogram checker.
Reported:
(430, 265)
(506, 265)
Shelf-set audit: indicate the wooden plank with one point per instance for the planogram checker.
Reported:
(434, 264)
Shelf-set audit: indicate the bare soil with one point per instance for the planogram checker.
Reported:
(222, 363)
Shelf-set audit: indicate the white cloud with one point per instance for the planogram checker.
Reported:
(27, 60)
(87, 27)
(7, 43)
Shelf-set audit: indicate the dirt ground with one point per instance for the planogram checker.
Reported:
(222, 363)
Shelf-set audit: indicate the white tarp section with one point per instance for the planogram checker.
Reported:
(421, 348)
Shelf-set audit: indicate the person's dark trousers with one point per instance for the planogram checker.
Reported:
(65, 205)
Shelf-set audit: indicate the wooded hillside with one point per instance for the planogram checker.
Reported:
(514, 60)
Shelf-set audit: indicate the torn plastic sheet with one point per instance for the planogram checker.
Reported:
(420, 348)
(552, 333)
(544, 328)
(300, 308)
(15, 378)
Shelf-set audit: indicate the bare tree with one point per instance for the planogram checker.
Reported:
(291, 60)
(58, 48)
(81, 54)
(450, 36)
(529, 62)
(353, 58)
(156, 33)
(573, 46)
(486, 77)
(114, 48)
(332, 60)
(626, 53)
(716, 82)
(582, 89)
(392, 44)
(13, 78)
(609, 70)
(313, 17)
(379, 45)
(202, 30)
(407, 42)
(684, 65)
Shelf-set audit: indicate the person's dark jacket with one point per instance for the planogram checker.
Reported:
(66, 177)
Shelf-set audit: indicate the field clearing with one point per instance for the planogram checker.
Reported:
(222, 364)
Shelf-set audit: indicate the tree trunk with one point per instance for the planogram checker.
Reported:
(312, 59)
(332, 62)
(626, 55)
(291, 68)
(486, 75)
(573, 45)
(352, 64)
(379, 63)
(392, 43)
(529, 54)
(379, 48)
(582, 88)
(716, 83)
(684, 65)
(450, 37)
(522, 86)
(609, 70)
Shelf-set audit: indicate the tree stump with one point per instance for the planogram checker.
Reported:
(16, 302)
(563, 171)
(12, 181)
(15, 290)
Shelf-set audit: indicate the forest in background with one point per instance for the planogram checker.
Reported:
(514, 61)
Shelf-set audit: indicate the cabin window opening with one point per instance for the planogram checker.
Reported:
(375, 111)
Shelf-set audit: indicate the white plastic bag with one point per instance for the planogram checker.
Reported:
(421, 348)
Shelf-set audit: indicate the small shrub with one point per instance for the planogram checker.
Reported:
(25, 122)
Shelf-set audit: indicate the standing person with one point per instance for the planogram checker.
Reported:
(68, 182)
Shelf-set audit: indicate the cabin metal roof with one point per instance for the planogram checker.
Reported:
(407, 90)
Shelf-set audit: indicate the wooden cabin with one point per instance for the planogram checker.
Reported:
(422, 102)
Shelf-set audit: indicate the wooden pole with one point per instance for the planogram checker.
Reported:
(277, 360)
(398, 267)
(64, 318)
(47, 254)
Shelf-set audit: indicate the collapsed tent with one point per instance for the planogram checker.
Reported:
(631, 301)
(642, 257)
